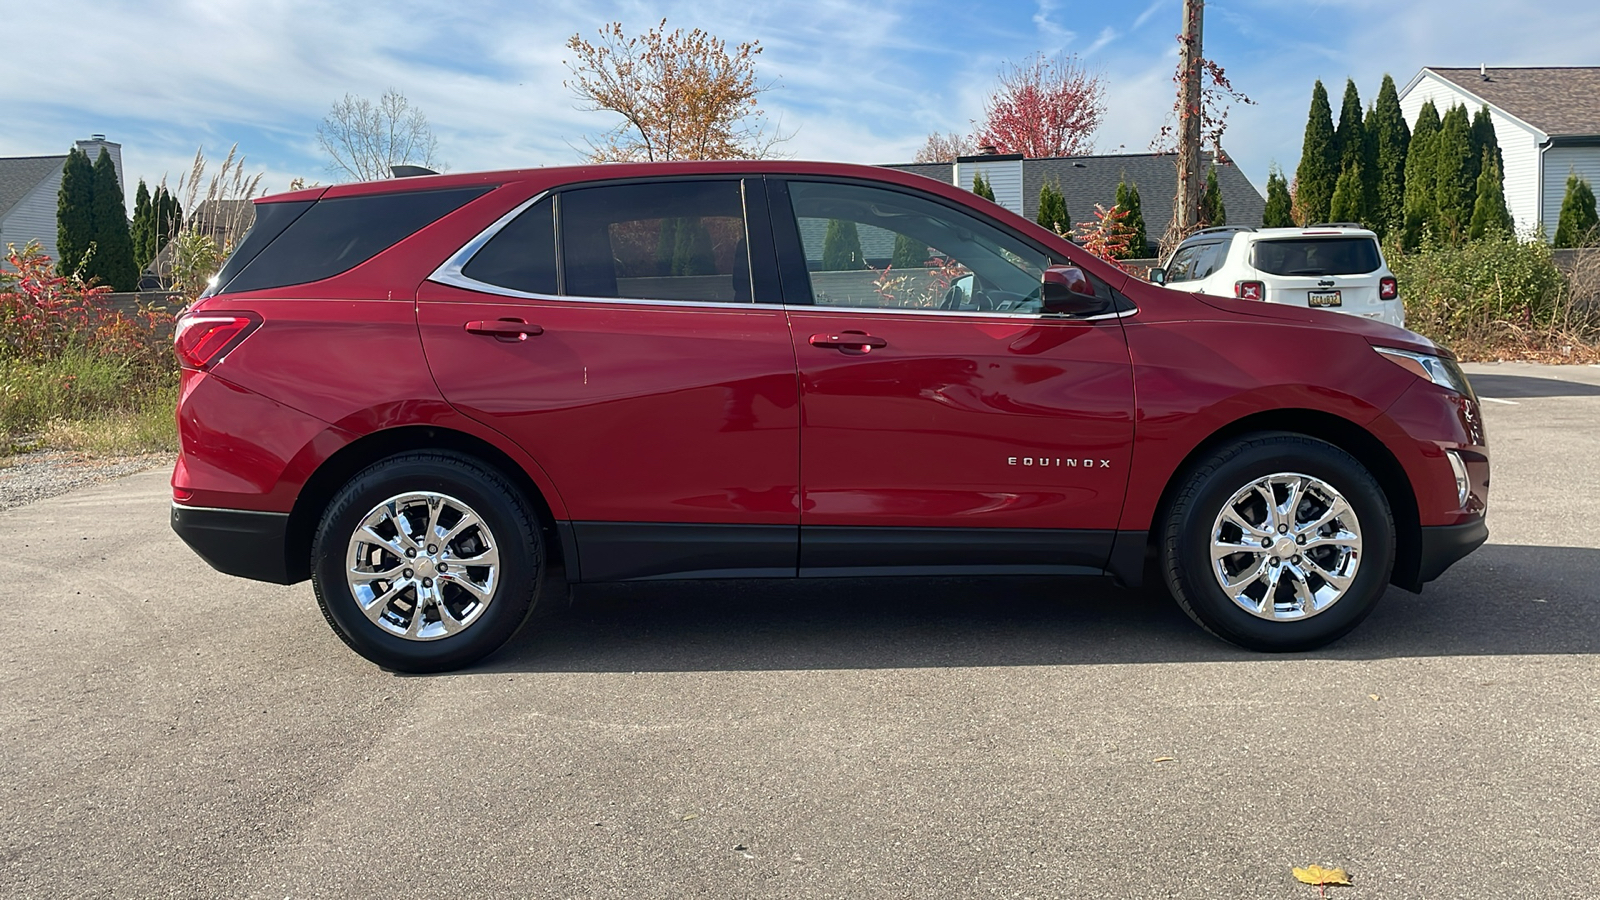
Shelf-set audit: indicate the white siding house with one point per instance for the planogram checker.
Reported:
(1547, 121)
(29, 192)
(1003, 173)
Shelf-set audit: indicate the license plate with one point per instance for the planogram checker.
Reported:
(1324, 298)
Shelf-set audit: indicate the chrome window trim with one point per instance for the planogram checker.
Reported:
(451, 273)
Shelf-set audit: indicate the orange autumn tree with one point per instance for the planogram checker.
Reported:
(681, 95)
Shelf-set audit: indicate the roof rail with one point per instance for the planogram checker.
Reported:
(1336, 225)
(1218, 229)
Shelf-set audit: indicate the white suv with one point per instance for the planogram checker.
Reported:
(1337, 267)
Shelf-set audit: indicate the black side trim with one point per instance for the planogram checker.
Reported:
(1442, 547)
(828, 550)
(637, 551)
(237, 542)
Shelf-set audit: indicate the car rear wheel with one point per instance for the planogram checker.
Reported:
(1278, 542)
(426, 562)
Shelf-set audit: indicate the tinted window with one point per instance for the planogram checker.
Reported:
(1318, 256)
(1194, 262)
(522, 256)
(665, 240)
(337, 235)
(871, 247)
(271, 220)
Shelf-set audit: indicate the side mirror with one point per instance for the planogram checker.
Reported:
(1065, 289)
(1158, 275)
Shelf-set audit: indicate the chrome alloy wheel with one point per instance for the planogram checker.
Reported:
(1286, 546)
(423, 566)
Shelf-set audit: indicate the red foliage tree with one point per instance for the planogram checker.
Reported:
(1047, 107)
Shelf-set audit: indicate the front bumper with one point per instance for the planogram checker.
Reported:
(238, 542)
(1442, 547)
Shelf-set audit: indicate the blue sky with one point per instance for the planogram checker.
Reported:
(855, 80)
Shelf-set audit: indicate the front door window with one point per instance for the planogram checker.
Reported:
(872, 248)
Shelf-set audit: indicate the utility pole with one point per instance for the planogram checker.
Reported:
(1186, 211)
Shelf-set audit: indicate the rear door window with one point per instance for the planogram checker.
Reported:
(665, 240)
(1318, 256)
(522, 255)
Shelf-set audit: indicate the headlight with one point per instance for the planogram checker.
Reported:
(1437, 369)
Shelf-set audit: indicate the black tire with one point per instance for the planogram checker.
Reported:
(511, 525)
(1184, 541)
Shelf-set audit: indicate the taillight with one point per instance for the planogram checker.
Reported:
(203, 338)
(1249, 290)
(1388, 289)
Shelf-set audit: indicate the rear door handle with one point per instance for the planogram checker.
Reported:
(505, 329)
(858, 341)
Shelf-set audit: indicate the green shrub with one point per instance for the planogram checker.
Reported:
(1483, 292)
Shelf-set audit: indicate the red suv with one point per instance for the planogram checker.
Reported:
(423, 394)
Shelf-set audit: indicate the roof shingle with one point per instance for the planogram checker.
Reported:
(1556, 100)
(19, 175)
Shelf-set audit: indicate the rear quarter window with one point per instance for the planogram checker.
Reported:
(1318, 256)
(335, 236)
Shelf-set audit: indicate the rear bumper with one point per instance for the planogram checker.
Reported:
(1443, 546)
(238, 542)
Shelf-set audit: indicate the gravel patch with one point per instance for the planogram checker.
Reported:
(32, 476)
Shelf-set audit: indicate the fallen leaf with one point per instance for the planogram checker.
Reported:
(691, 816)
(1374, 696)
(1162, 759)
(1318, 875)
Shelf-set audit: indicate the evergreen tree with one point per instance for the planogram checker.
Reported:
(144, 227)
(112, 261)
(1579, 218)
(692, 252)
(1053, 213)
(168, 216)
(1212, 212)
(1420, 159)
(909, 253)
(1489, 213)
(1369, 169)
(74, 212)
(1319, 160)
(1278, 213)
(841, 247)
(1350, 139)
(1453, 189)
(1346, 205)
(1483, 137)
(1128, 200)
(1391, 140)
(981, 187)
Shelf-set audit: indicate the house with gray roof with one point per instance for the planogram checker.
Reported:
(1547, 120)
(1088, 180)
(29, 192)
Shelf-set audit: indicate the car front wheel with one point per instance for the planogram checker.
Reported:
(1278, 542)
(426, 562)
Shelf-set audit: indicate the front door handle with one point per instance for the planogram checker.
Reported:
(857, 341)
(505, 329)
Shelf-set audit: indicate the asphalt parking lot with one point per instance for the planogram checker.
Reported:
(169, 731)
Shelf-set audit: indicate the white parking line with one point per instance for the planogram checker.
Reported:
(1498, 400)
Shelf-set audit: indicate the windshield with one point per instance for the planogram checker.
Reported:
(1318, 256)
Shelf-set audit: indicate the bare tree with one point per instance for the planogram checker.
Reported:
(943, 148)
(364, 138)
(681, 95)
